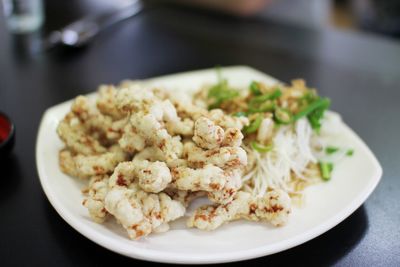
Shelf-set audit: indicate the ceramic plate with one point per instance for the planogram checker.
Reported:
(326, 204)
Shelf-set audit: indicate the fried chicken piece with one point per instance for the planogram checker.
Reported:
(90, 117)
(130, 140)
(97, 191)
(221, 185)
(173, 122)
(274, 207)
(133, 99)
(94, 121)
(209, 135)
(232, 185)
(148, 127)
(85, 166)
(151, 176)
(224, 157)
(185, 107)
(226, 121)
(99, 164)
(153, 153)
(232, 137)
(141, 213)
(107, 102)
(73, 134)
(183, 196)
(67, 163)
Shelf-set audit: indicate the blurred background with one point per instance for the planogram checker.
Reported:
(379, 17)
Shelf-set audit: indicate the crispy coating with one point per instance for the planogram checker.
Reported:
(67, 163)
(141, 213)
(226, 121)
(232, 137)
(153, 153)
(83, 166)
(173, 122)
(130, 140)
(274, 207)
(232, 185)
(207, 135)
(151, 176)
(209, 178)
(148, 127)
(90, 117)
(73, 134)
(186, 109)
(183, 196)
(99, 164)
(97, 191)
(133, 98)
(224, 157)
(107, 102)
(221, 185)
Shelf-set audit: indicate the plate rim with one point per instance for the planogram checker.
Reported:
(187, 258)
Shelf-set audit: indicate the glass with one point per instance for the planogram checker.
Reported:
(23, 16)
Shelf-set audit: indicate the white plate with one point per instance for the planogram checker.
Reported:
(327, 204)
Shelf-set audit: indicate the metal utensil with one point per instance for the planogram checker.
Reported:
(82, 31)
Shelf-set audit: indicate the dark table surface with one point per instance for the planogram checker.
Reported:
(360, 73)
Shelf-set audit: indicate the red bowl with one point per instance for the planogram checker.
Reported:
(7, 134)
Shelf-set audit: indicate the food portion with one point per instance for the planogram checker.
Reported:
(148, 152)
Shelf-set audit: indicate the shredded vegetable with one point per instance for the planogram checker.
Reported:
(296, 153)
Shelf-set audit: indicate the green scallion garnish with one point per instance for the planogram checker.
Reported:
(254, 125)
(221, 92)
(260, 148)
(262, 98)
(314, 112)
(350, 152)
(283, 116)
(267, 106)
(326, 170)
(331, 150)
(254, 88)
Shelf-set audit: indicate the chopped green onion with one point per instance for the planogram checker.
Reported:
(322, 102)
(283, 116)
(262, 98)
(331, 150)
(253, 127)
(264, 107)
(314, 112)
(326, 170)
(309, 96)
(260, 148)
(350, 152)
(254, 88)
(240, 114)
(221, 92)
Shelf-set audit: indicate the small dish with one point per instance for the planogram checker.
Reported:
(7, 135)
